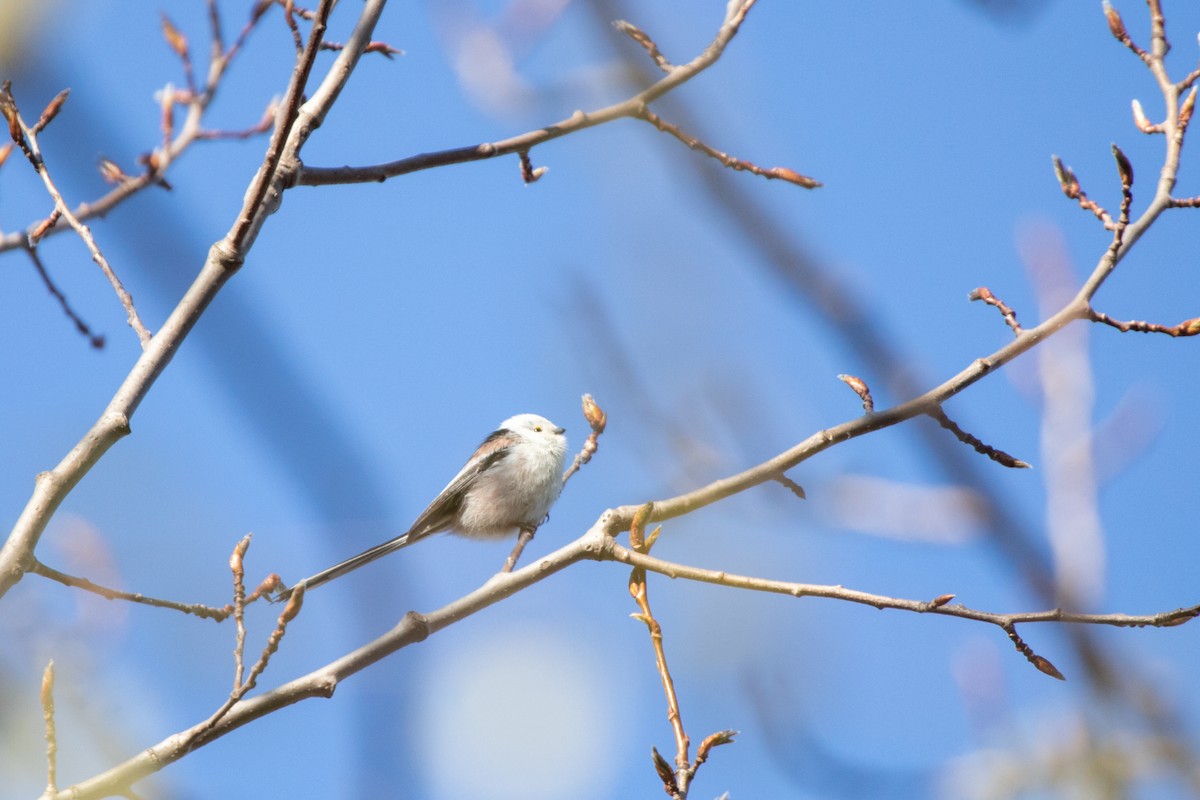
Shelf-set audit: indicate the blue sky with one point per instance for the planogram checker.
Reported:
(378, 332)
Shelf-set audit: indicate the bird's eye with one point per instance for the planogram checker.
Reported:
(537, 428)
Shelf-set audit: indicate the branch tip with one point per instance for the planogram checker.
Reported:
(51, 111)
(791, 485)
(1010, 317)
(1141, 121)
(861, 389)
(1124, 167)
(1042, 664)
(1115, 24)
(999, 456)
(594, 414)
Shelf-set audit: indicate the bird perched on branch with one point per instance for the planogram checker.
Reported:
(507, 486)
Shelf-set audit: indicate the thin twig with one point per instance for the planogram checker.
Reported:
(524, 537)
(196, 609)
(632, 107)
(639, 591)
(999, 456)
(1117, 26)
(240, 690)
(1071, 188)
(597, 420)
(1189, 327)
(1010, 317)
(738, 164)
(939, 605)
(791, 486)
(96, 340)
(39, 164)
(237, 567)
(185, 136)
(648, 44)
(1042, 664)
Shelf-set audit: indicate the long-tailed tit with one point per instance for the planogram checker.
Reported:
(507, 486)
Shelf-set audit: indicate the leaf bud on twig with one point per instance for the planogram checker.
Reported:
(1115, 24)
(1185, 111)
(1123, 167)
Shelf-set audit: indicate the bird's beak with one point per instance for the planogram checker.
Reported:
(560, 431)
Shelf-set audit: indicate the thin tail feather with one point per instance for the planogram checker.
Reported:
(350, 564)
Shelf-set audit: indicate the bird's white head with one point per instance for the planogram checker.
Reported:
(541, 435)
(532, 427)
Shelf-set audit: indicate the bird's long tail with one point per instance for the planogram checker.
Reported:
(350, 564)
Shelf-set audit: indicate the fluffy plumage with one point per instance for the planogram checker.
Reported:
(508, 484)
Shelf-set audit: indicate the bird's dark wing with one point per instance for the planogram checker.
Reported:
(442, 513)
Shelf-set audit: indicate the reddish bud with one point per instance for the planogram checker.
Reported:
(294, 604)
(791, 176)
(175, 40)
(665, 773)
(1046, 667)
(51, 110)
(49, 222)
(1123, 167)
(8, 107)
(383, 48)
(1115, 24)
(1189, 105)
(1066, 179)
(594, 414)
(941, 600)
(111, 172)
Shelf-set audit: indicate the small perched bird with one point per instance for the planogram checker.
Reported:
(507, 485)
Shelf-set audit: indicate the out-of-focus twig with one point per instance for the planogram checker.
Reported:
(51, 736)
(196, 100)
(27, 139)
(94, 339)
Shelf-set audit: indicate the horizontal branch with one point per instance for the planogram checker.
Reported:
(633, 107)
(939, 605)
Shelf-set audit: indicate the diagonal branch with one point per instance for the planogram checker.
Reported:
(224, 259)
(322, 682)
